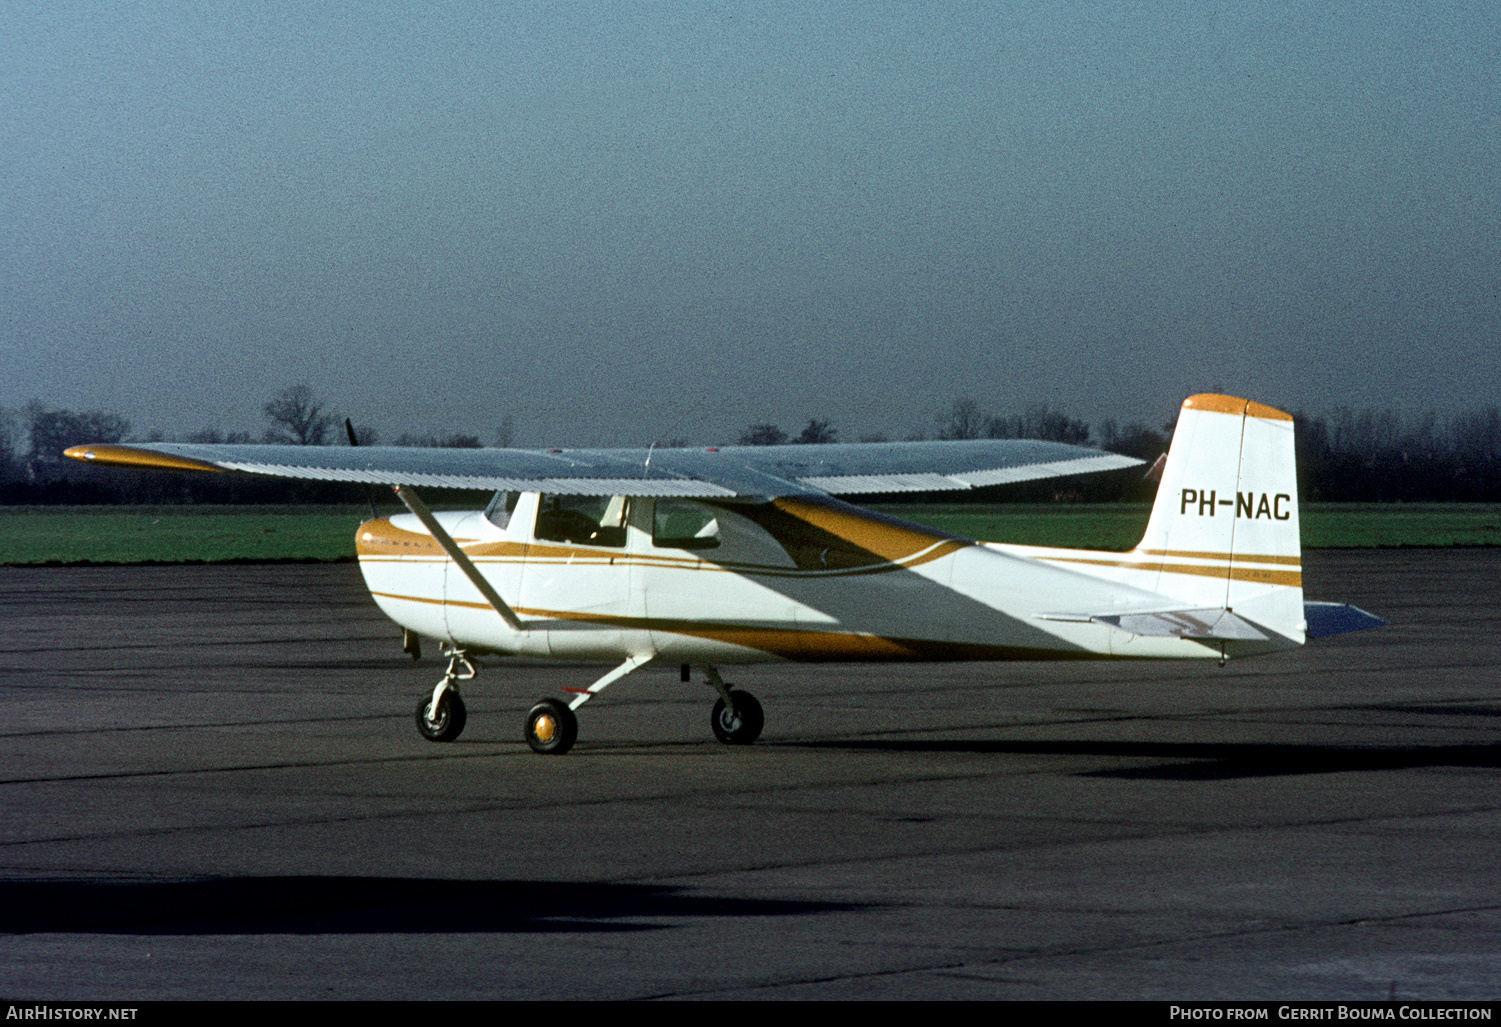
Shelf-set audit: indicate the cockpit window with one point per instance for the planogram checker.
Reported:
(591, 520)
(680, 524)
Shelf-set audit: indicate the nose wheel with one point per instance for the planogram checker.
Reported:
(441, 715)
(551, 728)
(739, 721)
(446, 723)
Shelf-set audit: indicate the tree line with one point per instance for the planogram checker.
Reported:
(1345, 456)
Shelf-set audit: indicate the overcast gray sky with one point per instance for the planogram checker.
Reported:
(592, 216)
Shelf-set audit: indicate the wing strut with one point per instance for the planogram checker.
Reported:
(408, 495)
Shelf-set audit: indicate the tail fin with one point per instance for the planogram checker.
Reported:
(1224, 528)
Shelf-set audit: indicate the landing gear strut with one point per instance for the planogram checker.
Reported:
(551, 726)
(441, 716)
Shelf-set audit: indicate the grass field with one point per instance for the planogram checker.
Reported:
(170, 534)
(35, 535)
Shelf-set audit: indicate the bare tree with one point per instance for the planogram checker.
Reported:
(297, 417)
(452, 440)
(10, 440)
(1135, 439)
(818, 432)
(763, 435)
(1477, 434)
(53, 431)
(963, 421)
(505, 432)
(1039, 422)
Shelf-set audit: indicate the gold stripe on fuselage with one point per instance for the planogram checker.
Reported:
(802, 644)
(881, 550)
(1236, 571)
(548, 556)
(1189, 554)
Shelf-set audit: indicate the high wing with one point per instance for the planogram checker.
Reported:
(710, 472)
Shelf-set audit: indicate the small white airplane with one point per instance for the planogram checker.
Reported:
(734, 555)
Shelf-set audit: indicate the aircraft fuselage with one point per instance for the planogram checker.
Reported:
(790, 579)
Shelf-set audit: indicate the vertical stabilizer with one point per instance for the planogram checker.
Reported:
(1224, 529)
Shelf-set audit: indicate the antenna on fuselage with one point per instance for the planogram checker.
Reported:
(646, 468)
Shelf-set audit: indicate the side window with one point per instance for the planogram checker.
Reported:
(501, 507)
(591, 520)
(681, 524)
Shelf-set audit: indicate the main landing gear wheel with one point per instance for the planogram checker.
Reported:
(551, 727)
(448, 724)
(740, 723)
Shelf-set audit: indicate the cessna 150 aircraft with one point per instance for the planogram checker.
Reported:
(729, 555)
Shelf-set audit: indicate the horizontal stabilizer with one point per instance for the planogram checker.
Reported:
(1325, 619)
(1216, 625)
(1206, 625)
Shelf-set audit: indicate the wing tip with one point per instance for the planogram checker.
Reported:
(129, 456)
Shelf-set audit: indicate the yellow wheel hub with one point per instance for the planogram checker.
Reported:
(544, 728)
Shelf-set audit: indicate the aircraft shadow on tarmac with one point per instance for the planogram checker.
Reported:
(1194, 761)
(361, 905)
